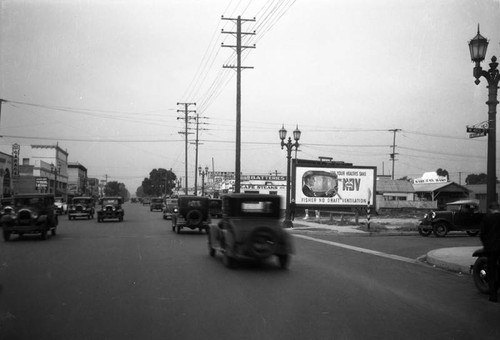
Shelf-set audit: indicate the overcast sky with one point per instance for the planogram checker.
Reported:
(103, 79)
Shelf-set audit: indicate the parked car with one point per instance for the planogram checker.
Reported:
(156, 204)
(250, 228)
(111, 208)
(192, 213)
(6, 206)
(146, 200)
(463, 215)
(31, 213)
(215, 207)
(81, 207)
(61, 206)
(171, 207)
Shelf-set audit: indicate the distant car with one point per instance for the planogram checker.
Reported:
(146, 200)
(192, 213)
(215, 207)
(251, 228)
(61, 206)
(81, 207)
(171, 207)
(463, 215)
(156, 204)
(31, 213)
(111, 208)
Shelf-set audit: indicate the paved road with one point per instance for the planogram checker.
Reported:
(139, 280)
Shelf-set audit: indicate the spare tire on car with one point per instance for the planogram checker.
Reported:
(194, 217)
(262, 242)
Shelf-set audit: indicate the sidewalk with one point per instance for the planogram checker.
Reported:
(456, 259)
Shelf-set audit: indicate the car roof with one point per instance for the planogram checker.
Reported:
(474, 202)
(80, 197)
(33, 195)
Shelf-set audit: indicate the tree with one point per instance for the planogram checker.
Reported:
(443, 173)
(114, 188)
(476, 179)
(160, 182)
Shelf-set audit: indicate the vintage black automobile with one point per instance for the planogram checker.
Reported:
(110, 208)
(250, 228)
(171, 207)
(156, 204)
(463, 215)
(192, 213)
(81, 207)
(30, 214)
(6, 206)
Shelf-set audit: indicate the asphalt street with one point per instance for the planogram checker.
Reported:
(137, 279)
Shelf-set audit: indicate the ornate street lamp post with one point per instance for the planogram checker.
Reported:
(289, 147)
(478, 46)
(203, 173)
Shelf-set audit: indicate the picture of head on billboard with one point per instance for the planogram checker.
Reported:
(317, 183)
(334, 186)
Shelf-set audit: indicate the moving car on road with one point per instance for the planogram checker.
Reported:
(111, 208)
(250, 228)
(170, 208)
(31, 213)
(463, 215)
(81, 207)
(156, 204)
(192, 213)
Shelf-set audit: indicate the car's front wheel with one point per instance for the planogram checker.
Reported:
(228, 261)
(440, 229)
(480, 274)
(424, 232)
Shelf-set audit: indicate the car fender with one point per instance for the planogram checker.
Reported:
(228, 242)
(441, 220)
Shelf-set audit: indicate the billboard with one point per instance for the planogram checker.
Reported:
(335, 186)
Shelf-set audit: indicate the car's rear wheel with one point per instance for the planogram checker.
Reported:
(43, 234)
(472, 232)
(440, 229)
(262, 242)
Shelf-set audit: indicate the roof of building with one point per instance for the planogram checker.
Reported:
(394, 186)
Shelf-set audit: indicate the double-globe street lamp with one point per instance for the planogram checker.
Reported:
(289, 147)
(203, 173)
(478, 46)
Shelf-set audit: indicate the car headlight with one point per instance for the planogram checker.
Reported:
(433, 215)
(34, 215)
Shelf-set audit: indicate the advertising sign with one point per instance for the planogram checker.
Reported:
(41, 182)
(335, 186)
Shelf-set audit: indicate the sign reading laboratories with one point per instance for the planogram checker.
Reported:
(430, 177)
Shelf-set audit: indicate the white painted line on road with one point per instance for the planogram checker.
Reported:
(358, 249)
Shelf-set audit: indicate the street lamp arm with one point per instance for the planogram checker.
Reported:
(492, 75)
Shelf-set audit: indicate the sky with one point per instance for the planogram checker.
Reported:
(103, 79)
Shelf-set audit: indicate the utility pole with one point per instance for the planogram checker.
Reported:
(238, 48)
(197, 118)
(393, 154)
(186, 119)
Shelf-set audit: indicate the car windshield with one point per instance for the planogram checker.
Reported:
(110, 201)
(29, 202)
(157, 200)
(81, 201)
